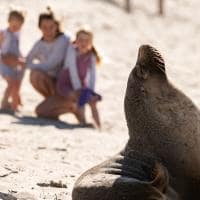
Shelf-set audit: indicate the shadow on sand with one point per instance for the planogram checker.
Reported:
(29, 120)
(4, 196)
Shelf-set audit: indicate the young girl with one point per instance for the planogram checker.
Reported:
(11, 62)
(77, 79)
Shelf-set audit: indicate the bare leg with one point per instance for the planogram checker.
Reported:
(16, 100)
(43, 83)
(54, 106)
(95, 113)
(80, 115)
(5, 100)
(78, 112)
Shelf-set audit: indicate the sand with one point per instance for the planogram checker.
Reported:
(37, 153)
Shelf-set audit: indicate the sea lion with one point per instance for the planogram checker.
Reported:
(161, 159)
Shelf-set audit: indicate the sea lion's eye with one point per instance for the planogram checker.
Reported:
(142, 89)
(141, 72)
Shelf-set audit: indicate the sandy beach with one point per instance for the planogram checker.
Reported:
(35, 153)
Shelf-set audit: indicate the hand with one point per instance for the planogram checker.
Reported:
(78, 92)
(22, 62)
(10, 60)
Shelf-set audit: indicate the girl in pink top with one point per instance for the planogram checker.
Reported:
(77, 79)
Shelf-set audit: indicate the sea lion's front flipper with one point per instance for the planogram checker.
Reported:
(115, 179)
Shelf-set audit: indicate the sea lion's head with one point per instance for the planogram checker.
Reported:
(145, 82)
(149, 62)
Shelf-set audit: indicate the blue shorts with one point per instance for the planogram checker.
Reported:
(86, 95)
(14, 73)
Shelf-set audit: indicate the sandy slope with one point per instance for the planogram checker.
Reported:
(37, 151)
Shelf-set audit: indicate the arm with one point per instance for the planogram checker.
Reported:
(5, 42)
(12, 61)
(7, 58)
(32, 55)
(2, 37)
(70, 63)
(91, 74)
(55, 58)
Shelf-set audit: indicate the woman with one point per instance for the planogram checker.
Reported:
(46, 58)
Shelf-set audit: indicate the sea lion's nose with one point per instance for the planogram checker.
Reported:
(150, 59)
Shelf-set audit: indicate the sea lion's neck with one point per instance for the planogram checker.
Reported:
(140, 103)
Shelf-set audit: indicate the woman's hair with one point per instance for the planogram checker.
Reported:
(49, 15)
(89, 32)
(15, 14)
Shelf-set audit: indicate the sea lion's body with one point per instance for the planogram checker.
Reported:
(163, 151)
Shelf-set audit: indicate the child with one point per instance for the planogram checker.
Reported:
(11, 62)
(77, 79)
